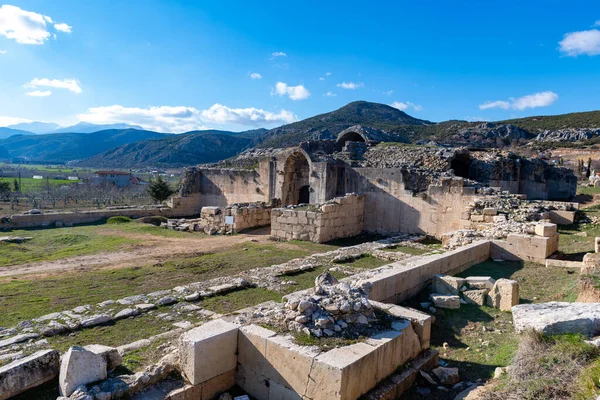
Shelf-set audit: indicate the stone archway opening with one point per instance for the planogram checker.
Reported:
(349, 137)
(461, 165)
(296, 188)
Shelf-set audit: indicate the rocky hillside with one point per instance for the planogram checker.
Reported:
(328, 125)
(176, 150)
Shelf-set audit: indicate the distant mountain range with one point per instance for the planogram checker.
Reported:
(128, 146)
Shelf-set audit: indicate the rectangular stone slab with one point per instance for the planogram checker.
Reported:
(29, 372)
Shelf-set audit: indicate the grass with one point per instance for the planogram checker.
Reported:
(588, 190)
(574, 246)
(24, 298)
(408, 250)
(482, 338)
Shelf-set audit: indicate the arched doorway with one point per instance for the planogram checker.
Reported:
(461, 164)
(348, 137)
(296, 174)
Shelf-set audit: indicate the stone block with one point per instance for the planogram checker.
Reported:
(209, 350)
(504, 295)
(445, 284)
(252, 347)
(446, 301)
(27, 373)
(420, 321)
(214, 387)
(481, 282)
(562, 217)
(477, 297)
(288, 363)
(80, 367)
(343, 373)
(477, 218)
(490, 211)
(545, 229)
(110, 355)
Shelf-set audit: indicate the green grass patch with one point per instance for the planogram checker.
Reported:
(239, 299)
(24, 298)
(588, 190)
(408, 250)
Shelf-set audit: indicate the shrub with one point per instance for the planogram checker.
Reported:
(155, 220)
(118, 220)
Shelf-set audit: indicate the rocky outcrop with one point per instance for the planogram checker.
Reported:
(558, 318)
(568, 135)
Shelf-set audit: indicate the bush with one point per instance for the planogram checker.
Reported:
(118, 220)
(155, 220)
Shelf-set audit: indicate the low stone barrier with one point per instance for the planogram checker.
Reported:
(339, 218)
(397, 282)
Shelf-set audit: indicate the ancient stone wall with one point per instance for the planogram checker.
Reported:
(390, 207)
(222, 187)
(213, 219)
(338, 218)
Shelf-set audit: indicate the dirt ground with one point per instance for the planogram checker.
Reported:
(152, 249)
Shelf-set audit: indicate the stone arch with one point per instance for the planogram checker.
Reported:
(350, 136)
(461, 165)
(296, 176)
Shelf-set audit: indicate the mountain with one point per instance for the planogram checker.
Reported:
(86, 127)
(8, 132)
(191, 148)
(328, 125)
(63, 147)
(36, 127)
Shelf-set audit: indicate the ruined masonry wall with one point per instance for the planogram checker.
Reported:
(341, 217)
(212, 219)
(222, 187)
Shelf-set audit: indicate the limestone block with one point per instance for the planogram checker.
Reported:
(254, 383)
(591, 264)
(447, 376)
(110, 355)
(80, 367)
(420, 321)
(389, 351)
(545, 229)
(555, 318)
(490, 211)
(288, 363)
(477, 218)
(445, 284)
(252, 347)
(343, 373)
(562, 217)
(29, 372)
(212, 388)
(504, 295)
(477, 297)
(481, 282)
(208, 351)
(446, 301)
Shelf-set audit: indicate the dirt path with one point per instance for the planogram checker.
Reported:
(153, 249)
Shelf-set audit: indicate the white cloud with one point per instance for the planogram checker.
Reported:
(39, 93)
(69, 84)
(26, 27)
(178, 119)
(597, 23)
(583, 42)
(541, 99)
(321, 78)
(330, 94)
(255, 75)
(293, 92)
(402, 106)
(245, 116)
(388, 93)
(350, 85)
(278, 54)
(63, 28)
(3, 51)
(7, 121)
(327, 73)
(495, 104)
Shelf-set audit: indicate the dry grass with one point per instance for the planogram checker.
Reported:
(547, 368)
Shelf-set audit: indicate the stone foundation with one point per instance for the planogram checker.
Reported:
(339, 218)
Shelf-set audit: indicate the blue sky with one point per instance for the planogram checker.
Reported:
(183, 65)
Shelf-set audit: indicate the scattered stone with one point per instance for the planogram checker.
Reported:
(447, 376)
(110, 355)
(18, 339)
(95, 320)
(126, 313)
(555, 318)
(183, 324)
(446, 301)
(29, 372)
(481, 282)
(477, 297)
(80, 367)
(145, 307)
(504, 295)
(165, 301)
(447, 285)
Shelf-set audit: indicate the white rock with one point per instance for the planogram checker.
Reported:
(94, 320)
(446, 301)
(28, 372)
(558, 317)
(80, 367)
(126, 313)
(18, 339)
(110, 354)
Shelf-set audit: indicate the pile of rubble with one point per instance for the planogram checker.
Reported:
(496, 231)
(330, 309)
(516, 207)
